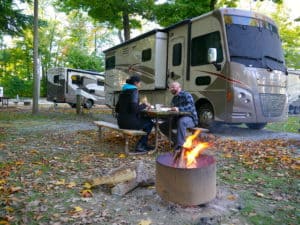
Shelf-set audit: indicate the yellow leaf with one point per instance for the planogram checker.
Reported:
(77, 209)
(87, 185)
(9, 209)
(2, 181)
(228, 155)
(33, 151)
(122, 155)
(60, 182)
(71, 185)
(3, 222)
(145, 222)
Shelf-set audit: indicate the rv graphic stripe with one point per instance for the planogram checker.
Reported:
(224, 77)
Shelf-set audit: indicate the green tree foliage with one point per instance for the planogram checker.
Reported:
(73, 47)
(174, 11)
(290, 33)
(120, 14)
(76, 58)
(12, 20)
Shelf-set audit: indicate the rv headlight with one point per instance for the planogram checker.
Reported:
(247, 101)
(248, 115)
(241, 95)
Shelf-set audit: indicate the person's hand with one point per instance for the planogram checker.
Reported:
(176, 109)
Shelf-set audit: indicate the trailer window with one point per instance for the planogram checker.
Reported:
(146, 55)
(110, 62)
(200, 46)
(100, 82)
(56, 79)
(177, 48)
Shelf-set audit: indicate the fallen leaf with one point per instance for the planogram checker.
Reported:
(60, 182)
(122, 155)
(145, 222)
(231, 197)
(87, 185)
(15, 189)
(259, 194)
(87, 193)
(71, 185)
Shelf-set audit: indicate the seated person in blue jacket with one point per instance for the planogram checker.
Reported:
(129, 114)
(182, 101)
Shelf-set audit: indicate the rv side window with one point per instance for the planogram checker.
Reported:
(100, 82)
(146, 55)
(177, 48)
(200, 46)
(77, 79)
(56, 79)
(110, 62)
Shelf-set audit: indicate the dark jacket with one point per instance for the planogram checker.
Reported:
(128, 109)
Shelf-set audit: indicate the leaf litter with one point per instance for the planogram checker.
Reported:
(44, 173)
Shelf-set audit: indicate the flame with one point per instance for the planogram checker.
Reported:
(192, 148)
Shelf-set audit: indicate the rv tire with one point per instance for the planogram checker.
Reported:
(88, 104)
(205, 115)
(72, 105)
(256, 126)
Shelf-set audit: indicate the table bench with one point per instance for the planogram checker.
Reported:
(126, 133)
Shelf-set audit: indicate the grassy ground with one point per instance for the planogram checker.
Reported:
(42, 169)
(291, 125)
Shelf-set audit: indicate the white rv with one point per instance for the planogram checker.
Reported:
(63, 84)
(230, 60)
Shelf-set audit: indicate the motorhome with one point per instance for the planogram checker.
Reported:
(63, 84)
(230, 60)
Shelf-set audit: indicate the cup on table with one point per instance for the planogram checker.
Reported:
(158, 106)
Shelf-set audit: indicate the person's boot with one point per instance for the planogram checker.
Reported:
(140, 147)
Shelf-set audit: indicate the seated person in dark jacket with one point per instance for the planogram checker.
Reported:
(129, 110)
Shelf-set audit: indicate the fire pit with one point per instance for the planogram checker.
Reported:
(186, 186)
(189, 179)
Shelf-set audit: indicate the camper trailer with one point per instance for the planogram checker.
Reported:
(64, 83)
(230, 60)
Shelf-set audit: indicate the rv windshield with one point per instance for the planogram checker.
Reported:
(254, 43)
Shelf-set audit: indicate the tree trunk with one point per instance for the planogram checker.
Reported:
(126, 26)
(36, 83)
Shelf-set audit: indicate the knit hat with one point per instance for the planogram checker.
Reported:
(133, 79)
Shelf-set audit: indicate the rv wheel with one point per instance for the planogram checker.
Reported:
(88, 104)
(256, 126)
(72, 105)
(205, 115)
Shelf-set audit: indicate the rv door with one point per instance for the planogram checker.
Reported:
(177, 55)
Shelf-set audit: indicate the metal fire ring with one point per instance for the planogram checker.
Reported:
(186, 186)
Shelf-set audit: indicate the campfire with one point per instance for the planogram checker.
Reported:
(189, 176)
(192, 149)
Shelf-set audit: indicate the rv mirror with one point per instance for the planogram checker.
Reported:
(212, 55)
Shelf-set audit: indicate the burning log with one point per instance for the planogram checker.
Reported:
(192, 148)
(123, 180)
